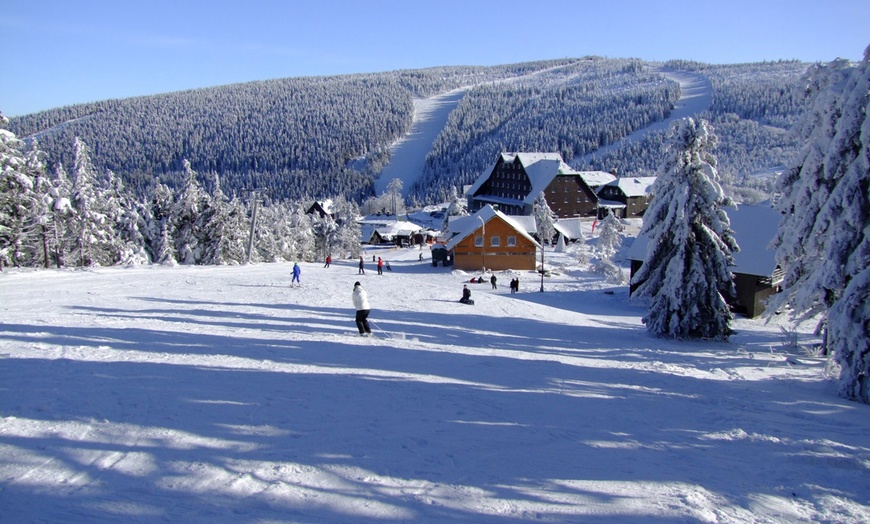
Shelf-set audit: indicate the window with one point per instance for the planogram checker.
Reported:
(478, 241)
(512, 241)
(495, 241)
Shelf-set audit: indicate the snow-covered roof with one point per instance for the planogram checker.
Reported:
(595, 179)
(754, 227)
(541, 168)
(633, 186)
(465, 226)
(570, 227)
(387, 228)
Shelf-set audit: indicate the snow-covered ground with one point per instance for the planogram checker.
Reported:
(222, 394)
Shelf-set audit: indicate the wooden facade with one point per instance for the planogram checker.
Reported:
(504, 246)
(517, 179)
(569, 196)
(507, 185)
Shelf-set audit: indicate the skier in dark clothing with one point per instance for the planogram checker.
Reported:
(493, 281)
(362, 270)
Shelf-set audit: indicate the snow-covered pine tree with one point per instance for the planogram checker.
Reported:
(43, 216)
(609, 238)
(609, 242)
(686, 273)
(62, 213)
(837, 284)
(17, 200)
(347, 236)
(300, 241)
(804, 188)
(325, 234)
(211, 226)
(545, 219)
(158, 225)
(91, 228)
(125, 213)
(185, 213)
(456, 208)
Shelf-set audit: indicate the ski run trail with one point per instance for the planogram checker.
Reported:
(408, 154)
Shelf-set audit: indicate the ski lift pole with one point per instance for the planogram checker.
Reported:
(256, 199)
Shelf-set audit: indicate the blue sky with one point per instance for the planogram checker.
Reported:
(61, 52)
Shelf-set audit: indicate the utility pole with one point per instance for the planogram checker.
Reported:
(255, 196)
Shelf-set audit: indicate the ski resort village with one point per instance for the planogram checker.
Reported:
(577, 290)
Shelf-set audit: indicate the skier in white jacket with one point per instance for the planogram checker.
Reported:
(361, 303)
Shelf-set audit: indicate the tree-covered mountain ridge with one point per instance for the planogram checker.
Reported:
(320, 137)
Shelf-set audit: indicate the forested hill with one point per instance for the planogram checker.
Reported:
(329, 136)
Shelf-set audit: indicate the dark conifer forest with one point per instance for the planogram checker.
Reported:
(323, 137)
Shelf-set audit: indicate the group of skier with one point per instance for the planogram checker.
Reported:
(361, 299)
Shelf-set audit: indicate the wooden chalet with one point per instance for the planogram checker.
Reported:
(756, 274)
(516, 180)
(492, 240)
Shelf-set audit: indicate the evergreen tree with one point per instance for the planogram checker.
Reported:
(456, 208)
(609, 238)
(348, 233)
(212, 224)
(91, 228)
(185, 214)
(300, 241)
(125, 213)
(686, 273)
(17, 200)
(158, 225)
(609, 242)
(62, 214)
(803, 190)
(832, 277)
(545, 220)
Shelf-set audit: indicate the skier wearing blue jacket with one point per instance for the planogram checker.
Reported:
(296, 272)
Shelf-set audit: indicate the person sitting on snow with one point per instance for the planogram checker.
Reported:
(466, 295)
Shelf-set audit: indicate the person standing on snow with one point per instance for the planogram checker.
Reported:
(361, 303)
(380, 266)
(361, 271)
(493, 281)
(296, 272)
(328, 261)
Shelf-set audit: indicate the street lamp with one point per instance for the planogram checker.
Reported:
(542, 265)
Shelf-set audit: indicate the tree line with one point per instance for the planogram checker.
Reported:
(317, 137)
(84, 218)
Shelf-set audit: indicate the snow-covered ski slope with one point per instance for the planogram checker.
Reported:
(408, 154)
(222, 394)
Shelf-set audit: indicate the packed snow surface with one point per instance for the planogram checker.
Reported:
(223, 394)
